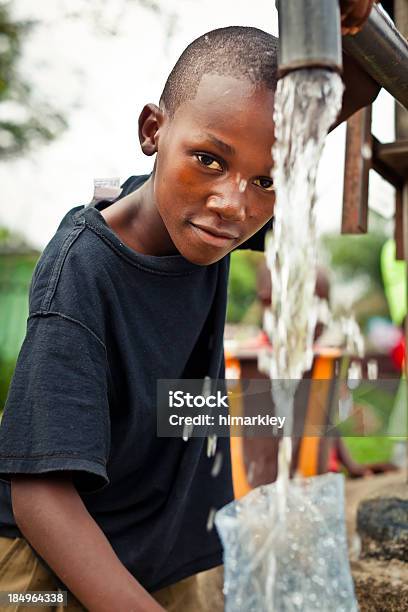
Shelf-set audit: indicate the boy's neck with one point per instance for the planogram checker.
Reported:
(137, 222)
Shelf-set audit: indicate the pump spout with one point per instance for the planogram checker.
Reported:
(309, 35)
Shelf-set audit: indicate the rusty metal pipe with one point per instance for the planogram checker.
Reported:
(382, 52)
(309, 35)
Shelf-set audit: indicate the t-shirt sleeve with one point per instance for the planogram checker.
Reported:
(257, 241)
(57, 412)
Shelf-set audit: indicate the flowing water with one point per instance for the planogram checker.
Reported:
(306, 105)
(285, 543)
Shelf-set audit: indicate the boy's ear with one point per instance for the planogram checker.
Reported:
(150, 120)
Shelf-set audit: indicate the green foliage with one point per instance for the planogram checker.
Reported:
(10, 36)
(27, 119)
(242, 283)
(15, 276)
(6, 369)
(377, 400)
(370, 449)
(358, 254)
(24, 121)
(4, 234)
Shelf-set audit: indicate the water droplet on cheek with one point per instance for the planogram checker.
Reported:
(242, 185)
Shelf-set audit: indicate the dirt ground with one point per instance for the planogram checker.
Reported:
(381, 586)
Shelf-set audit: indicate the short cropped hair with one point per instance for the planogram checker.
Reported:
(238, 51)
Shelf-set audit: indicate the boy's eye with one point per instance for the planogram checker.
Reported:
(265, 183)
(208, 161)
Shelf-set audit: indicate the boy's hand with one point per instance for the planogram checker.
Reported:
(53, 518)
(354, 14)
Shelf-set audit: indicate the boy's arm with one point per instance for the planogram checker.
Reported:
(52, 517)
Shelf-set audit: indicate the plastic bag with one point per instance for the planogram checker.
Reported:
(292, 559)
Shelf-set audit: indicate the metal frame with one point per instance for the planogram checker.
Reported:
(383, 53)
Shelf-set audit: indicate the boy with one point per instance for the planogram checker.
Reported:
(125, 294)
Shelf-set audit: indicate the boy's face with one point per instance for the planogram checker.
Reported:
(212, 184)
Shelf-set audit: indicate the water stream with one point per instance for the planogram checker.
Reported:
(306, 105)
(285, 543)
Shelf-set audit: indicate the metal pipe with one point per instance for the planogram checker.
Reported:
(382, 52)
(309, 35)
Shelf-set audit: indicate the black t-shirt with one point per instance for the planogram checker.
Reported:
(106, 322)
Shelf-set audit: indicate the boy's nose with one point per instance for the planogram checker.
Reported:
(230, 206)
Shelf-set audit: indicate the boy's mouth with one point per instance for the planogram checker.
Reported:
(214, 236)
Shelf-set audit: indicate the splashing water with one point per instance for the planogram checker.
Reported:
(210, 519)
(211, 445)
(306, 105)
(216, 468)
(285, 544)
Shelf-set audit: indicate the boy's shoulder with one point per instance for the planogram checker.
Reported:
(74, 273)
(71, 265)
(81, 246)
